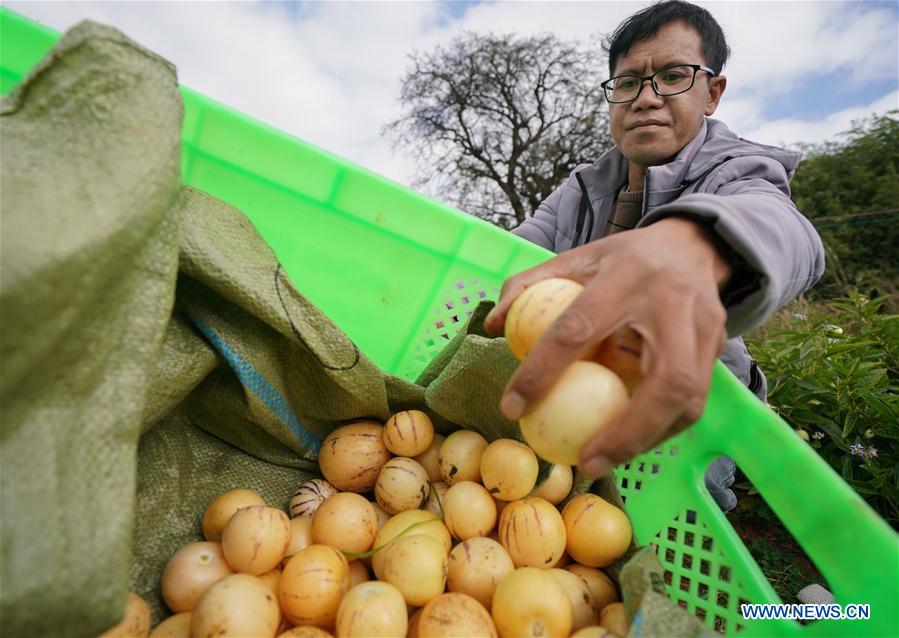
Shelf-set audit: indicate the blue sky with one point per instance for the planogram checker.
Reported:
(329, 72)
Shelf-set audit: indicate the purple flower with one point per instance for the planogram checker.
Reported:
(818, 435)
(857, 449)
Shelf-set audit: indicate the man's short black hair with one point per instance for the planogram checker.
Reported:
(646, 23)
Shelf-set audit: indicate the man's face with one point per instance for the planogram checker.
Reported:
(651, 130)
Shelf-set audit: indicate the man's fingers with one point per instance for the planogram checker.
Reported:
(578, 264)
(660, 399)
(707, 351)
(511, 290)
(496, 318)
(579, 328)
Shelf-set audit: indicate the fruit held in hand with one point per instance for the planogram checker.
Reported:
(621, 354)
(534, 309)
(587, 398)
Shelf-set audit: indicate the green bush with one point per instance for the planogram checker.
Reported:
(833, 372)
(849, 189)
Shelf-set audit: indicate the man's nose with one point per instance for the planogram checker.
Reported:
(647, 98)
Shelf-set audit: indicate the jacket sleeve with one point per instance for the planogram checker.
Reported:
(746, 203)
(540, 228)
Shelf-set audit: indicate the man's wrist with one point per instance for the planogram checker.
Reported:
(721, 268)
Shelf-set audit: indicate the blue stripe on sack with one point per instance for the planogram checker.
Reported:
(253, 381)
(637, 625)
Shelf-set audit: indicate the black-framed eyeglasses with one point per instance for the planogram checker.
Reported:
(671, 80)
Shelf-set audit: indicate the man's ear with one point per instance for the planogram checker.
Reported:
(716, 89)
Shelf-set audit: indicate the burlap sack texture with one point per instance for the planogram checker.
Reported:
(154, 354)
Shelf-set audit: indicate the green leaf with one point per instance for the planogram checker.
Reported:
(849, 425)
(841, 348)
(847, 468)
(826, 424)
(860, 487)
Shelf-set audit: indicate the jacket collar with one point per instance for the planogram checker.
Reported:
(712, 145)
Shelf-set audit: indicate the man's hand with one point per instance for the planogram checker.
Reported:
(661, 280)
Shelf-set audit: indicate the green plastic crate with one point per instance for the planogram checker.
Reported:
(400, 273)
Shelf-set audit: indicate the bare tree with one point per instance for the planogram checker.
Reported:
(496, 122)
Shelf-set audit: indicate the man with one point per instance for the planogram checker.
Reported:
(710, 244)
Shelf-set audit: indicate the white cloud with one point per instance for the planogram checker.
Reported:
(332, 78)
(793, 131)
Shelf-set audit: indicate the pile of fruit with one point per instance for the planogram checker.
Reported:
(410, 533)
(456, 541)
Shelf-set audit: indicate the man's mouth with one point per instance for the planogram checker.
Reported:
(646, 124)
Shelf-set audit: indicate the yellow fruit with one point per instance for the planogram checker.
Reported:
(557, 486)
(468, 510)
(351, 457)
(300, 536)
(583, 611)
(621, 354)
(455, 615)
(408, 523)
(135, 624)
(416, 565)
(529, 602)
(177, 626)
(408, 433)
(190, 571)
(272, 580)
(460, 457)
(402, 485)
(372, 610)
(476, 567)
(238, 605)
(220, 511)
(594, 631)
(535, 309)
(313, 583)
(430, 458)
(437, 497)
(614, 619)
(309, 496)
(601, 586)
(509, 469)
(347, 521)
(412, 631)
(598, 533)
(307, 631)
(255, 539)
(383, 516)
(358, 573)
(533, 533)
(586, 399)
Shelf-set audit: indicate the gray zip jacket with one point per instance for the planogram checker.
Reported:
(740, 189)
